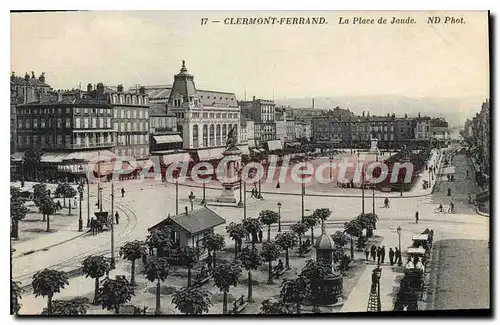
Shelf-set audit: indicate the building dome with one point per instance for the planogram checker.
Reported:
(325, 242)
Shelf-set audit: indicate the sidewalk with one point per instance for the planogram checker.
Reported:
(389, 281)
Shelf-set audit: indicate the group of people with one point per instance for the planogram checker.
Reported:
(255, 192)
(451, 208)
(415, 264)
(378, 254)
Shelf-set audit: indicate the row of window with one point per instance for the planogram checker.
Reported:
(212, 136)
(35, 123)
(92, 110)
(129, 99)
(131, 112)
(92, 122)
(67, 141)
(132, 139)
(212, 115)
(131, 126)
(133, 152)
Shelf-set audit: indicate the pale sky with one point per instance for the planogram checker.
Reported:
(147, 48)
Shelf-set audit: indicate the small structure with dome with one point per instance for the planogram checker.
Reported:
(331, 287)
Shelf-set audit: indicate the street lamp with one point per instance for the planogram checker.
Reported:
(100, 198)
(362, 188)
(331, 160)
(22, 173)
(177, 195)
(240, 203)
(191, 199)
(373, 198)
(399, 230)
(279, 216)
(303, 192)
(80, 190)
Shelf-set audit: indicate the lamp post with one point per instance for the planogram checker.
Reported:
(373, 198)
(100, 198)
(191, 199)
(22, 173)
(112, 221)
(362, 188)
(279, 216)
(245, 200)
(331, 160)
(399, 230)
(240, 203)
(80, 191)
(88, 203)
(303, 192)
(177, 195)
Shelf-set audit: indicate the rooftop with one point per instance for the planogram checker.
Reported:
(194, 221)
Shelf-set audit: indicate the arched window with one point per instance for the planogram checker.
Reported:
(217, 135)
(224, 133)
(195, 136)
(134, 100)
(146, 101)
(212, 135)
(115, 99)
(140, 100)
(205, 135)
(121, 99)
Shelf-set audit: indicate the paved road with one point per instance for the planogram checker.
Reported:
(150, 203)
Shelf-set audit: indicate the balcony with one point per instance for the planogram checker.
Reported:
(91, 145)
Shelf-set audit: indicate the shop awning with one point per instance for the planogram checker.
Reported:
(17, 156)
(167, 138)
(244, 149)
(210, 154)
(53, 158)
(175, 158)
(90, 155)
(274, 145)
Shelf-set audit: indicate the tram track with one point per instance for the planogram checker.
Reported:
(103, 249)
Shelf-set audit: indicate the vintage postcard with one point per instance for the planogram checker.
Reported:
(250, 162)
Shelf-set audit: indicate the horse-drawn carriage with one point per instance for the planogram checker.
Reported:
(102, 220)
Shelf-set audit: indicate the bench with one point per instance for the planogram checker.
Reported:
(239, 305)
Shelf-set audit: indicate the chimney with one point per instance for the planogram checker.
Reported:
(89, 87)
(32, 74)
(142, 90)
(186, 210)
(26, 77)
(42, 77)
(313, 103)
(120, 88)
(100, 88)
(254, 98)
(12, 76)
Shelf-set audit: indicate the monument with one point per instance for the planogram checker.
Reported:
(231, 183)
(373, 145)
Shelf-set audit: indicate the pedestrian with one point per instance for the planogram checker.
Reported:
(379, 254)
(401, 193)
(391, 256)
(398, 256)
(416, 217)
(117, 217)
(74, 202)
(373, 252)
(123, 191)
(93, 226)
(366, 254)
(260, 236)
(449, 191)
(382, 254)
(469, 198)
